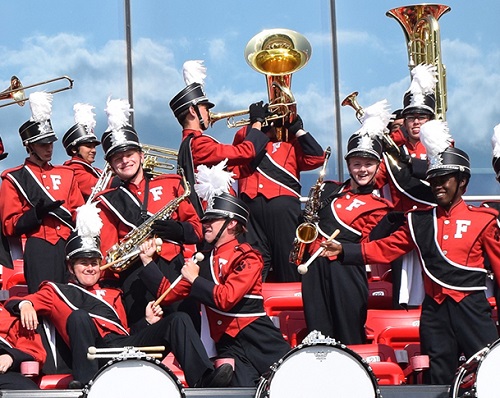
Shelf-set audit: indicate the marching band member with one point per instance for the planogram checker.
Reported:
(230, 287)
(87, 313)
(336, 297)
(191, 108)
(38, 200)
(452, 240)
(80, 143)
(401, 176)
(271, 190)
(17, 345)
(137, 198)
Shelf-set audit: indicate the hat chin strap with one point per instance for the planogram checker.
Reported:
(221, 230)
(32, 151)
(200, 118)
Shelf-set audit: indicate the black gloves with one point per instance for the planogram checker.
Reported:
(396, 217)
(168, 230)
(258, 112)
(42, 208)
(399, 153)
(296, 125)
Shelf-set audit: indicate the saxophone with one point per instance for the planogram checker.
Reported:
(307, 232)
(128, 247)
(101, 183)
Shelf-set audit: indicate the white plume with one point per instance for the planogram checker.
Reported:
(435, 136)
(84, 115)
(118, 111)
(41, 106)
(424, 79)
(375, 119)
(88, 221)
(495, 141)
(194, 72)
(212, 181)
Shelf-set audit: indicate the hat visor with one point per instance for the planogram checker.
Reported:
(210, 217)
(440, 172)
(46, 140)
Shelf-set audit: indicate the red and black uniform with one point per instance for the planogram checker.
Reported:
(231, 288)
(22, 345)
(96, 317)
(198, 148)
(24, 187)
(272, 192)
(85, 174)
(456, 316)
(128, 206)
(401, 183)
(336, 296)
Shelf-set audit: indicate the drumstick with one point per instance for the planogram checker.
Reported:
(98, 356)
(134, 253)
(196, 258)
(302, 268)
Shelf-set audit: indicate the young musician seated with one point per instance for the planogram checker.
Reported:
(88, 313)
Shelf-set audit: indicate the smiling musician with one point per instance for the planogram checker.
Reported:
(138, 197)
(336, 297)
(452, 240)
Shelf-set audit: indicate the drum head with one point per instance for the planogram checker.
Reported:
(322, 371)
(134, 378)
(487, 373)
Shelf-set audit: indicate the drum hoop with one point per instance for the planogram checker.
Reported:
(264, 382)
(87, 389)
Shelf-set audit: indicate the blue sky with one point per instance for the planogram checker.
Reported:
(85, 40)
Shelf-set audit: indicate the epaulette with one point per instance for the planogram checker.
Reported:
(483, 209)
(5, 172)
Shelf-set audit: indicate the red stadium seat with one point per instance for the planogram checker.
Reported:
(293, 326)
(282, 297)
(379, 272)
(382, 360)
(374, 352)
(380, 295)
(388, 373)
(398, 337)
(7, 273)
(416, 364)
(52, 382)
(378, 320)
(170, 362)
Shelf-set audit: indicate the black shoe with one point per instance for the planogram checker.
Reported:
(220, 377)
(75, 385)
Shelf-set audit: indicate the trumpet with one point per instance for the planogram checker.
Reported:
(352, 101)
(156, 157)
(16, 91)
(278, 111)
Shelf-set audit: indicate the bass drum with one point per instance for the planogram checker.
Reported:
(319, 370)
(478, 376)
(131, 378)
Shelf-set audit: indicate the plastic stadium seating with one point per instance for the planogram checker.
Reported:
(293, 326)
(51, 382)
(382, 360)
(282, 297)
(398, 337)
(170, 362)
(378, 320)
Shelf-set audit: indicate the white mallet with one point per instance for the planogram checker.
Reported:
(302, 268)
(196, 258)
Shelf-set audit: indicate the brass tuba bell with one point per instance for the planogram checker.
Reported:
(421, 29)
(277, 53)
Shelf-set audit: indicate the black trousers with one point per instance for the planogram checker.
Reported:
(450, 329)
(176, 332)
(44, 261)
(335, 300)
(271, 231)
(255, 348)
(136, 295)
(16, 381)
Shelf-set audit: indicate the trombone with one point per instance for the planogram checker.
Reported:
(16, 91)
